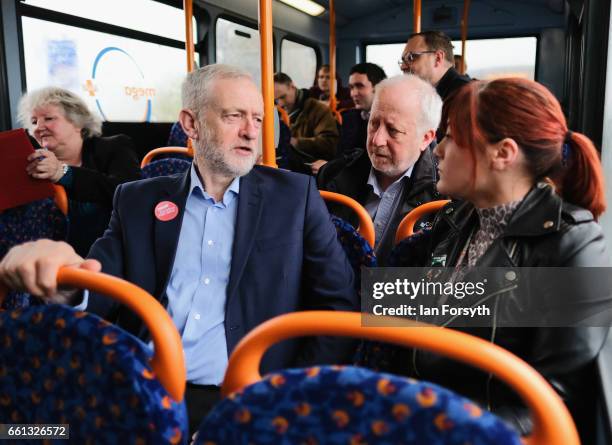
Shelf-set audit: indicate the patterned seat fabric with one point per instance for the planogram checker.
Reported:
(177, 137)
(59, 365)
(29, 222)
(357, 249)
(349, 405)
(165, 167)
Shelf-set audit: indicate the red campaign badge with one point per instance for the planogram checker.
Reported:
(166, 211)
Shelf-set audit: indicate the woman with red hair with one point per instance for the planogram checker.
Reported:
(528, 194)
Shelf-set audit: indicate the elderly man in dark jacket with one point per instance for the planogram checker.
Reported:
(398, 172)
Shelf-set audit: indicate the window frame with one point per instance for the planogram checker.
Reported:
(25, 10)
(537, 36)
(302, 41)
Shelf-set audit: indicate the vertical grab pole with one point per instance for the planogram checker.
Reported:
(267, 81)
(464, 27)
(416, 16)
(332, 56)
(188, 8)
(189, 49)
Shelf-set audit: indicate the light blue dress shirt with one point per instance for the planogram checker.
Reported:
(381, 203)
(198, 283)
(197, 290)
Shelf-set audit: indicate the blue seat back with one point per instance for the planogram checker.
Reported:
(29, 222)
(350, 405)
(59, 365)
(357, 249)
(165, 167)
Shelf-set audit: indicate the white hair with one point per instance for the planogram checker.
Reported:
(430, 103)
(74, 108)
(196, 88)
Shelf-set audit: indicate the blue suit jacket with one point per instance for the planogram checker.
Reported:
(285, 258)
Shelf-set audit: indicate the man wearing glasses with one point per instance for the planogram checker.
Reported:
(429, 55)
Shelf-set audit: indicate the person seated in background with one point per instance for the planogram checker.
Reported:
(75, 156)
(457, 59)
(397, 172)
(314, 132)
(320, 89)
(532, 191)
(224, 247)
(354, 132)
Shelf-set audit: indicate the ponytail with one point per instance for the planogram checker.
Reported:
(581, 180)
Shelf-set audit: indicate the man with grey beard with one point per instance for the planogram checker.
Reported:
(223, 247)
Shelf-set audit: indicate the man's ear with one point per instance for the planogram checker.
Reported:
(504, 154)
(428, 138)
(189, 122)
(439, 57)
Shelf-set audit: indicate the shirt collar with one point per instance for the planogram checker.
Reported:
(373, 181)
(232, 191)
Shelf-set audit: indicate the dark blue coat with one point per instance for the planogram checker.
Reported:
(285, 258)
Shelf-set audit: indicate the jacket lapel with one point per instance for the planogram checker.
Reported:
(167, 233)
(250, 205)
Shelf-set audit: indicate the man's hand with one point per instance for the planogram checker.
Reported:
(293, 141)
(32, 267)
(316, 165)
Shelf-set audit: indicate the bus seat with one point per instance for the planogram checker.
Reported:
(62, 366)
(175, 152)
(165, 167)
(345, 404)
(357, 249)
(30, 222)
(177, 136)
(366, 226)
(406, 226)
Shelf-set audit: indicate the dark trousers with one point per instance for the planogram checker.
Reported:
(200, 399)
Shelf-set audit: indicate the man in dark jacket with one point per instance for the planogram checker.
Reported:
(397, 173)
(429, 55)
(354, 133)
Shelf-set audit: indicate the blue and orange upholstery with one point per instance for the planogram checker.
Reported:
(351, 405)
(60, 365)
(357, 244)
(165, 167)
(45, 218)
(184, 153)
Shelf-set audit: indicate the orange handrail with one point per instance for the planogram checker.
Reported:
(60, 198)
(406, 226)
(416, 16)
(168, 361)
(464, 26)
(366, 226)
(332, 57)
(267, 81)
(189, 48)
(552, 422)
(186, 151)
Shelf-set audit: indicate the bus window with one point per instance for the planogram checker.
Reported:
(386, 56)
(238, 45)
(140, 15)
(299, 62)
(119, 77)
(494, 58)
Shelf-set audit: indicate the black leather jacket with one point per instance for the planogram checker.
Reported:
(564, 356)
